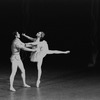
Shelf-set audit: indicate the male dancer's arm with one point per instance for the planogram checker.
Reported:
(21, 45)
(32, 43)
(28, 49)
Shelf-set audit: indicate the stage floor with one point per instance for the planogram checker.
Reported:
(78, 85)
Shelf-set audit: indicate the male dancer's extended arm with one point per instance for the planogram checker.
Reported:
(28, 49)
(32, 43)
(21, 45)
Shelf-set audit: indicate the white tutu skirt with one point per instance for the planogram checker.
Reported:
(36, 56)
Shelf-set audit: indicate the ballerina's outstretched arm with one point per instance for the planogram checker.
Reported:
(28, 37)
(30, 43)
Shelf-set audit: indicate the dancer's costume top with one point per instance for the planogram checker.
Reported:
(16, 45)
(40, 53)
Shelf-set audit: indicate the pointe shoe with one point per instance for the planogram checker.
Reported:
(67, 52)
(26, 85)
(37, 84)
(12, 89)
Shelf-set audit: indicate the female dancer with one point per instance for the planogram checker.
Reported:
(42, 51)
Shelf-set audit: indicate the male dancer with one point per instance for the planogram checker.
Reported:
(16, 60)
(42, 51)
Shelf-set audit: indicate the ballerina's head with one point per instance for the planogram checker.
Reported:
(40, 34)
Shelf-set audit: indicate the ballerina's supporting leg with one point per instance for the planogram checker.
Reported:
(39, 64)
(40, 60)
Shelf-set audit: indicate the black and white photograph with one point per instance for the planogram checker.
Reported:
(50, 50)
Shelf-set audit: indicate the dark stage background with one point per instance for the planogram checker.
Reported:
(68, 25)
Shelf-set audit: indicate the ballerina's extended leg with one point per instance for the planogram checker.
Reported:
(57, 52)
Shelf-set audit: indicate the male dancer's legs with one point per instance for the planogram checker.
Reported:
(21, 67)
(15, 65)
(13, 73)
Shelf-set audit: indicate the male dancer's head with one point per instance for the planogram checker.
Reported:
(17, 35)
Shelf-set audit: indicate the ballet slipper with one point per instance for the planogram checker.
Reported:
(37, 84)
(12, 89)
(26, 85)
